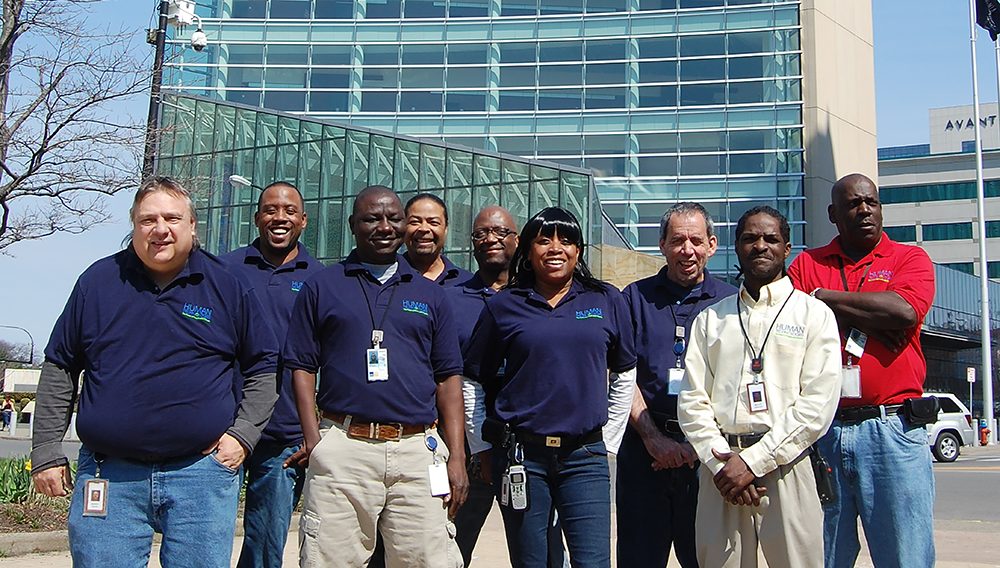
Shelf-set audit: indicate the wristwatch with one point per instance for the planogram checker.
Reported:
(813, 293)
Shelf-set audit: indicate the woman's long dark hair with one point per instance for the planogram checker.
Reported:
(548, 222)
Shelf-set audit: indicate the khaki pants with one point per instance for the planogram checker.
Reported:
(355, 487)
(788, 524)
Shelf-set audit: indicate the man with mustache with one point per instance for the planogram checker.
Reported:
(426, 236)
(880, 292)
(762, 377)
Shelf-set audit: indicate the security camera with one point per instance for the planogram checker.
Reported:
(199, 40)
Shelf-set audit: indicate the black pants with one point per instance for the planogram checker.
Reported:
(655, 509)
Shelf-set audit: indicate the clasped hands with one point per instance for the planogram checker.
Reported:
(735, 481)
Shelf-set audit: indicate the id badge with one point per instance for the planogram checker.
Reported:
(95, 503)
(856, 341)
(757, 397)
(850, 386)
(437, 474)
(674, 379)
(378, 365)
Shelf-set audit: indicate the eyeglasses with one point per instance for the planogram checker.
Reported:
(500, 233)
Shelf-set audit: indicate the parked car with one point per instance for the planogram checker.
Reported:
(952, 430)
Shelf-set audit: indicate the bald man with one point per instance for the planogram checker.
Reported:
(385, 339)
(880, 292)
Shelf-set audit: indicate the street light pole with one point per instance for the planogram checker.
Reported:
(153, 119)
(31, 353)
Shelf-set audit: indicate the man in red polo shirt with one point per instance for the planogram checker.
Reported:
(880, 292)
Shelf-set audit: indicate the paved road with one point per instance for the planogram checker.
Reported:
(11, 447)
(967, 520)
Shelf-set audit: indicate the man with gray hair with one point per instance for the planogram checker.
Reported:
(657, 483)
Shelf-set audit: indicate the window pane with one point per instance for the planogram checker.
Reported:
(287, 54)
(517, 8)
(559, 75)
(703, 45)
(290, 8)
(559, 145)
(287, 78)
(517, 100)
(605, 98)
(430, 77)
(559, 99)
(746, 67)
(329, 101)
(906, 234)
(658, 96)
(330, 78)
(383, 9)
(420, 101)
(251, 98)
(466, 101)
(750, 139)
(657, 71)
(605, 74)
(597, 6)
(469, 8)
(249, 8)
(603, 49)
(467, 77)
(657, 4)
(655, 47)
(703, 165)
(605, 144)
(285, 100)
(560, 51)
(751, 42)
(703, 70)
(423, 54)
(335, 9)
(244, 77)
(947, 231)
(664, 166)
(517, 52)
(701, 3)
(703, 141)
(604, 167)
(475, 53)
(331, 54)
(380, 78)
(517, 76)
(245, 54)
(380, 54)
(378, 101)
(424, 9)
(748, 163)
(751, 92)
(561, 7)
(692, 95)
(520, 145)
(650, 143)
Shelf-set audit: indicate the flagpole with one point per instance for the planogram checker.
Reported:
(987, 349)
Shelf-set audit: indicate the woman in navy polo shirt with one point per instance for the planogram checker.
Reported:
(542, 349)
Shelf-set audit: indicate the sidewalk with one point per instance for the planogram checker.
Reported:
(960, 544)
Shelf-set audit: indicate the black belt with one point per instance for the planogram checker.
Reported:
(743, 441)
(559, 441)
(854, 414)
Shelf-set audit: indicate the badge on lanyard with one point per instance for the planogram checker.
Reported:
(757, 397)
(675, 377)
(437, 472)
(856, 341)
(95, 494)
(378, 359)
(850, 375)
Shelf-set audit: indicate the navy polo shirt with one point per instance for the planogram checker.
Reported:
(467, 301)
(159, 365)
(556, 359)
(452, 275)
(276, 288)
(331, 331)
(657, 305)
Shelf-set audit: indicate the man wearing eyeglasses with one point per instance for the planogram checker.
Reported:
(657, 483)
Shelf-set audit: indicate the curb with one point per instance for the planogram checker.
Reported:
(19, 544)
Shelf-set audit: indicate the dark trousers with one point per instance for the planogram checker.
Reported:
(656, 509)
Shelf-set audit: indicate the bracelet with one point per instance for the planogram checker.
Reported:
(813, 293)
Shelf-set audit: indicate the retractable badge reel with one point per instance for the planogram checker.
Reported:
(95, 503)
(437, 472)
(378, 359)
(755, 390)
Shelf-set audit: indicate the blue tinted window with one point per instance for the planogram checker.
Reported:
(904, 234)
(420, 101)
(598, 6)
(424, 9)
(469, 8)
(703, 45)
(559, 99)
(746, 67)
(331, 78)
(657, 4)
(605, 143)
(650, 143)
(427, 77)
(657, 71)
(605, 98)
(468, 53)
(245, 54)
(658, 96)
(517, 53)
(656, 47)
(703, 165)
(701, 3)
(470, 102)
(993, 269)
(298, 9)
(662, 166)
(382, 9)
(517, 7)
(517, 76)
(335, 9)
(750, 92)
(560, 51)
(380, 54)
(285, 100)
(249, 8)
(559, 145)
(992, 229)
(947, 231)
(521, 145)
(750, 139)
(751, 42)
(329, 102)
(605, 74)
(378, 101)
(703, 70)
(287, 54)
(703, 141)
(561, 7)
(466, 76)
(747, 164)
(692, 95)
(244, 77)
(331, 55)
(604, 49)
(606, 166)
(559, 75)
(285, 78)
(380, 78)
(423, 54)
(517, 100)
(251, 98)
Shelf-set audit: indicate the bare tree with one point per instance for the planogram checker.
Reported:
(65, 142)
(14, 355)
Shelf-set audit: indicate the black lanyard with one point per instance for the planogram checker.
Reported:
(680, 343)
(371, 311)
(757, 358)
(843, 275)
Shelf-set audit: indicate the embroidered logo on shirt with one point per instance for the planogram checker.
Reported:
(790, 330)
(297, 285)
(592, 313)
(415, 307)
(197, 312)
(880, 276)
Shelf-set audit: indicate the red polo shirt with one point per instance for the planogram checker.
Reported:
(886, 377)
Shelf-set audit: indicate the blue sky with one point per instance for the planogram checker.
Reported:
(921, 62)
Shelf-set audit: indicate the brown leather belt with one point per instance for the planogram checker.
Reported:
(388, 431)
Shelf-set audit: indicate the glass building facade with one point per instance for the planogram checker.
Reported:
(664, 100)
(205, 141)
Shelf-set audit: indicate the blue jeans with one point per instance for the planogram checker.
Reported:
(574, 482)
(882, 472)
(272, 492)
(656, 509)
(191, 501)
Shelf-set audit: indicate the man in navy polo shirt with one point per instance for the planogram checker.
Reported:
(276, 265)
(156, 331)
(426, 235)
(657, 483)
(384, 340)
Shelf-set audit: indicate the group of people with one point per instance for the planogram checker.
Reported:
(401, 395)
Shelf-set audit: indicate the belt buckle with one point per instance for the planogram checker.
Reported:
(553, 441)
(377, 428)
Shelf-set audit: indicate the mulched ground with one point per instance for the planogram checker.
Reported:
(35, 515)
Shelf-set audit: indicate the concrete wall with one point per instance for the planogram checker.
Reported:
(621, 267)
(838, 90)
